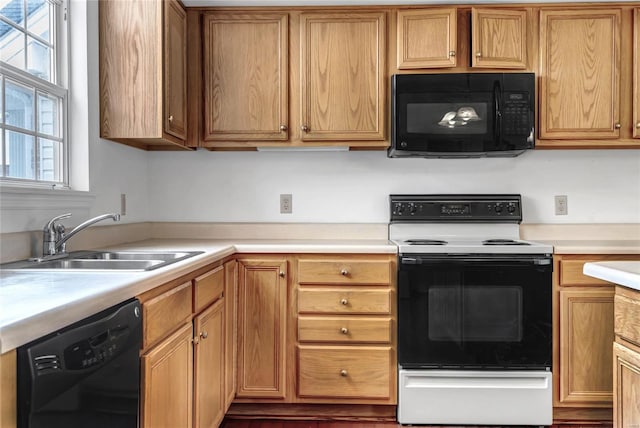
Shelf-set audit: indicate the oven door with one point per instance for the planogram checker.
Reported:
(471, 312)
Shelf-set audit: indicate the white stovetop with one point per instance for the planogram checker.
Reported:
(625, 273)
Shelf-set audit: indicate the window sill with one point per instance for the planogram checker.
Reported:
(17, 198)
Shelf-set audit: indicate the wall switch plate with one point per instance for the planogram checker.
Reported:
(286, 201)
(123, 204)
(561, 205)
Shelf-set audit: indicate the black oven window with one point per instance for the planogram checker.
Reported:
(447, 118)
(475, 314)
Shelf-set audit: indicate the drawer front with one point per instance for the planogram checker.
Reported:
(626, 318)
(164, 313)
(344, 272)
(571, 273)
(344, 329)
(344, 372)
(347, 301)
(207, 288)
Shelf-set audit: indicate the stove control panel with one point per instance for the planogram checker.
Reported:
(456, 208)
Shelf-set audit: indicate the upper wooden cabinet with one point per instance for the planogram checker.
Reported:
(438, 38)
(499, 38)
(636, 76)
(427, 38)
(246, 76)
(294, 78)
(143, 84)
(342, 82)
(580, 74)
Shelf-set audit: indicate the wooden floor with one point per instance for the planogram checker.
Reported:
(258, 423)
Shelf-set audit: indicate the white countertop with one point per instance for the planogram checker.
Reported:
(33, 304)
(625, 273)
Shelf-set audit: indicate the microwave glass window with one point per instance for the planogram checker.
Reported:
(475, 314)
(447, 118)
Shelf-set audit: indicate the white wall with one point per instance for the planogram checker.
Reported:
(603, 186)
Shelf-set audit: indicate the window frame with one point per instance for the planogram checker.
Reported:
(58, 87)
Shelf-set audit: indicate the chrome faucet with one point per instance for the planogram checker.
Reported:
(54, 238)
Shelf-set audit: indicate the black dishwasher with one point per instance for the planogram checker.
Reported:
(84, 375)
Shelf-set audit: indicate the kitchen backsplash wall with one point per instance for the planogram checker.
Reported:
(602, 186)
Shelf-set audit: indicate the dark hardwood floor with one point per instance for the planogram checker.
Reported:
(261, 423)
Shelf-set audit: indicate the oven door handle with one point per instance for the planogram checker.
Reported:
(518, 260)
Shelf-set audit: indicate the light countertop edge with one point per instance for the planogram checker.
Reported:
(626, 273)
(34, 304)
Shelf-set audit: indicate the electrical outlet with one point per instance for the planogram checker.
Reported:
(561, 205)
(123, 204)
(286, 201)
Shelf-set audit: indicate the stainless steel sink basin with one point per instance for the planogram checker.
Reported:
(105, 261)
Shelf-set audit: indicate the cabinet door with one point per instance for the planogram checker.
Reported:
(209, 366)
(231, 328)
(167, 382)
(262, 310)
(245, 76)
(626, 412)
(342, 83)
(427, 38)
(175, 69)
(636, 75)
(580, 74)
(586, 335)
(499, 38)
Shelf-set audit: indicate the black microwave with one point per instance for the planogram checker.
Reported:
(462, 115)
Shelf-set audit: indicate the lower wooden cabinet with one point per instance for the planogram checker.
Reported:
(583, 334)
(262, 328)
(626, 387)
(167, 382)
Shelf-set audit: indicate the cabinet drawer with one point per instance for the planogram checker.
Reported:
(344, 272)
(626, 319)
(165, 312)
(207, 288)
(344, 329)
(345, 372)
(347, 301)
(571, 273)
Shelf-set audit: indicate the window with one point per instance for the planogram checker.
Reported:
(33, 93)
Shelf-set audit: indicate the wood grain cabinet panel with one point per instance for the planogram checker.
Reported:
(636, 75)
(344, 300)
(209, 366)
(580, 74)
(245, 77)
(427, 38)
(231, 329)
(262, 326)
(344, 271)
(626, 412)
(167, 382)
(207, 288)
(143, 73)
(344, 372)
(344, 329)
(499, 38)
(165, 313)
(586, 335)
(343, 84)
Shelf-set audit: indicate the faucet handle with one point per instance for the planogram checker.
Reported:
(50, 224)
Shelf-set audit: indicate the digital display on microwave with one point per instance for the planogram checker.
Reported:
(447, 118)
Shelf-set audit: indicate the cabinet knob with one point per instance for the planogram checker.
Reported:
(478, 54)
(344, 302)
(343, 373)
(452, 53)
(617, 126)
(304, 128)
(638, 125)
(344, 330)
(204, 335)
(281, 274)
(171, 118)
(344, 272)
(283, 128)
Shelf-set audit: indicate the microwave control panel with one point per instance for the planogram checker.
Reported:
(516, 114)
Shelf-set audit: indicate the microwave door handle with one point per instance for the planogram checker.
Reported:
(497, 107)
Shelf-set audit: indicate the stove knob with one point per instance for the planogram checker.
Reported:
(511, 208)
(412, 208)
(498, 208)
(399, 209)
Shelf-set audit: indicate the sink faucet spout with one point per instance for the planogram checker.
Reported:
(55, 238)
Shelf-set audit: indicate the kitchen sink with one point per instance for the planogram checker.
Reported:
(105, 261)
